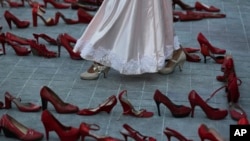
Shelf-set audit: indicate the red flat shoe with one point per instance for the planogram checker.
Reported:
(170, 132)
(200, 6)
(23, 107)
(128, 108)
(236, 111)
(106, 106)
(176, 110)
(14, 129)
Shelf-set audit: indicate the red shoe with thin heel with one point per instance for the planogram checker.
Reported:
(128, 108)
(65, 133)
(9, 17)
(172, 133)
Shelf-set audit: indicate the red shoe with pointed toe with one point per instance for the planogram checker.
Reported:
(38, 11)
(9, 17)
(85, 131)
(83, 16)
(176, 110)
(208, 133)
(128, 131)
(200, 6)
(23, 107)
(15, 38)
(63, 40)
(170, 132)
(14, 129)
(65, 133)
(60, 106)
(47, 38)
(212, 113)
(41, 50)
(128, 108)
(19, 50)
(106, 106)
(56, 5)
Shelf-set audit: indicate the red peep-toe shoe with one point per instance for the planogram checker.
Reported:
(83, 16)
(128, 108)
(15, 38)
(38, 11)
(60, 106)
(65, 133)
(85, 130)
(41, 50)
(46, 37)
(128, 131)
(62, 40)
(208, 133)
(212, 113)
(170, 132)
(106, 106)
(55, 4)
(201, 6)
(14, 129)
(9, 17)
(23, 107)
(176, 110)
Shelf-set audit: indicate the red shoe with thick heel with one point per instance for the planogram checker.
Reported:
(9, 17)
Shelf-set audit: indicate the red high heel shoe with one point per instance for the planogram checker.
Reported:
(236, 111)
(14, 129)
(106, 106)
(170, 132)
(85, 130)
(65, 133)
(60, 106)
(23, 107)
(56, 5)
(47, 38)
(32, 3)
(128, 131)
(232, 88)
(62, 40)
(9, 17)
(83, 16)
(15, 38)
(191, 57)
(128, 108)
(208, 133)
(200, 6)
(208, 50)
(19, 50)
(41, 50)
(66, 20)
(212, 113)
(38, 11)
(227, 67)
(183, 5)
(11, 4)
(176, 110)
(70, 38)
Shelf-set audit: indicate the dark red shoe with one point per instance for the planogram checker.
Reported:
(200, 6)
(56, 4)
(236, 111)
(47, 38)
(9, 17)
(210, 134)
(83, 16)
(170, 132)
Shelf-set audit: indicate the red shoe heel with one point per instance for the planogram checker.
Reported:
(106, 106)
(47, 38)
(38, 11)
(60, 106)
(62, 40)
(83, 16)
(65, 133)
(212, 113)
(128, 108)
(9, 17)
(56, 4)
(170, 132)
(176, 110)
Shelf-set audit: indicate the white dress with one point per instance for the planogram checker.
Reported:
(130, 36)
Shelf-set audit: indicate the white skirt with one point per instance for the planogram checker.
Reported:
(130, 36)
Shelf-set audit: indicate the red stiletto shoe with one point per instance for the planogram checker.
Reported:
(176, 110)
(191, 49)
(62, 40)
(208, 133)
(83, 16)
(236, 111)
(60, 106)
(47, 38)
(15, 38)
(106, 106)
(23, 107)
(191, 57)
(9, 17)
(65, 133)
(182, 5)
(200, 6)
(85, 130)
(41, 50)
(227, 68)
(243, 121)
(14, 129)
(187, 16)
(128, 108)
(55, 4)
(38, 11)
(128, 131)
(66, 20)
(170, 132)
(2, 41)
(212, 113)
